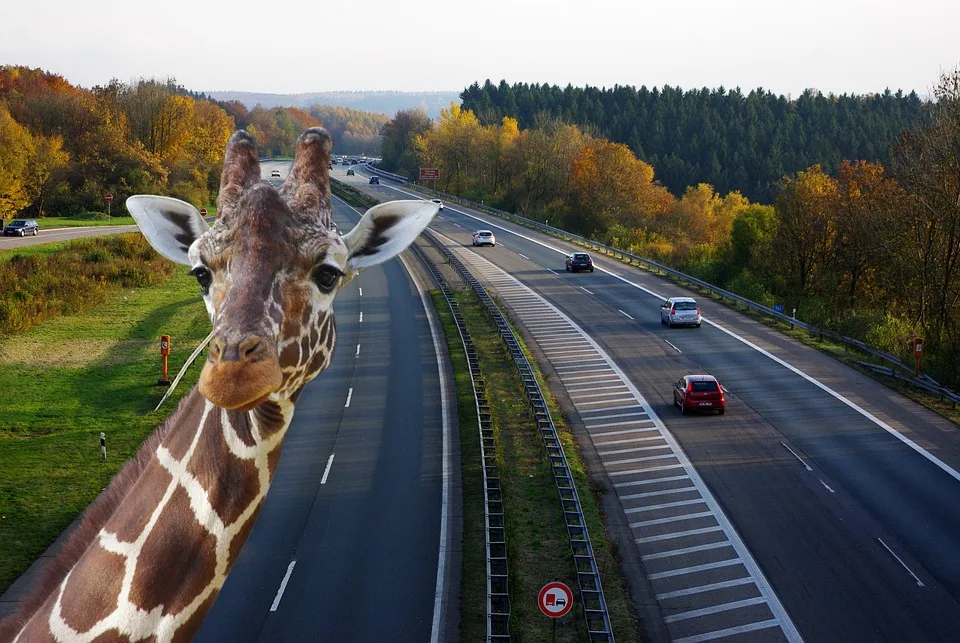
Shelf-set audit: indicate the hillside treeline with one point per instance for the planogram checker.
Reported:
(731, 140)
(867, 249)
(62, 147)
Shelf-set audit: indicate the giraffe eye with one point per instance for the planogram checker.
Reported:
(326, 278)
(204, 278)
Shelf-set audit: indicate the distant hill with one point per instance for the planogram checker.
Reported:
(381, 102)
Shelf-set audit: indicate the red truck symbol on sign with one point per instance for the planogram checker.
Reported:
(555, 599)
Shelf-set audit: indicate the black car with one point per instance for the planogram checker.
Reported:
(579, 261)
(21, 227)
(374, 180)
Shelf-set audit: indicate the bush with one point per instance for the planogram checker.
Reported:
(34, 288)
(747, 285)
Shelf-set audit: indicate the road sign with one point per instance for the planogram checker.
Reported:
(555, 600)
(108, 196)
(429, 173)
(203, 212)
(778, 308)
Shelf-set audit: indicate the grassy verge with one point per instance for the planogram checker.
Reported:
(352, 195)
(66, 381)
(538, 550)
(83, 220)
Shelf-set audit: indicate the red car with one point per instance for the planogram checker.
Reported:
(699, 393)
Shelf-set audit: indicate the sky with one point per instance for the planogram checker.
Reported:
(300, 46)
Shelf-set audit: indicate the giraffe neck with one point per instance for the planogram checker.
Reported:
(156, 566)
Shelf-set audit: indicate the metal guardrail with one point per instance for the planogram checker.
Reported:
(596, 616)
(387, 175)
(923, 382)
(928, 383)
(498, 597)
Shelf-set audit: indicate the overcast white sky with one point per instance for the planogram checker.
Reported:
(297, 46)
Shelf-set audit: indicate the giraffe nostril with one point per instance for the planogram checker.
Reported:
(249, 346)
(216, 349)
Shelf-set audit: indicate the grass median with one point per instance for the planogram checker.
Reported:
(538, 550)
(67, 380)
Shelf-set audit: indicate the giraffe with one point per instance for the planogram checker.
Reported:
(153, 551)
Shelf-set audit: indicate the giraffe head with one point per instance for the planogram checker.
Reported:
(270, 266)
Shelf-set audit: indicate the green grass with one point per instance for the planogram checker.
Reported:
(538, 550)
(66, 381)
(71, 222)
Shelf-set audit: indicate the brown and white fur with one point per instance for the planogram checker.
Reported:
(154, 550)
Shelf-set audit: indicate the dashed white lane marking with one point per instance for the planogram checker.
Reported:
(863, 412)
(326, 471)
(673, 347)
(556, 273)
(524, 256)
(585, 290)
(349, 395)
(903, 564)
(361, 291)
(794, 453)
(624, 314)
(826, 486)
(358, 351)
(641, 457)
(361, 316)
(283, 586)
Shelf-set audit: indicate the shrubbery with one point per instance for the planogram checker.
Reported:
(34, 288)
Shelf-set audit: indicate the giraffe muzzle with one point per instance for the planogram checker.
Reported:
(240, 375)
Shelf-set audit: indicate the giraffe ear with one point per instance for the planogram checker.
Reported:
(170, 225)
(386, 230)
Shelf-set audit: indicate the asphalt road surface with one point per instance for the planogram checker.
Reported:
(846, 494)
(346, 546)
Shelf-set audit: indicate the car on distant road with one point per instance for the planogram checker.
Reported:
(680, 311)
(699, 393)
(438, 202)
(484, 238)
(579, 261)
(275, 174)
(21, 227)
(374, 180)
(350, 172)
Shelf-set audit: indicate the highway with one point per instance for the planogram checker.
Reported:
(846, 495)
(358, 538)
(347, 544)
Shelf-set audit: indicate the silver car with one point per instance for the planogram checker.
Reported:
(680, 311)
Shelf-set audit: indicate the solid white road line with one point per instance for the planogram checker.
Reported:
(283, 586)
(886, 427)
(326, 471)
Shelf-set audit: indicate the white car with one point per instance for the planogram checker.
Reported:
(680, 310)
(438, 202)
(484, 238)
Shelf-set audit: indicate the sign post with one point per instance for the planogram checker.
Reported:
(917, 354)
(109, 198)
(555, 600)
(430, 173)
(164, 351)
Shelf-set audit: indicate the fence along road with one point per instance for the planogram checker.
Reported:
(706, 581)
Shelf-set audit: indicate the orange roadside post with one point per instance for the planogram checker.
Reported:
(164, 351)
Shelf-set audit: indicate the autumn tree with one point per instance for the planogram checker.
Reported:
(47, 171)
(398, 149)
(805, 233)
(16, 154)
(927, 165)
